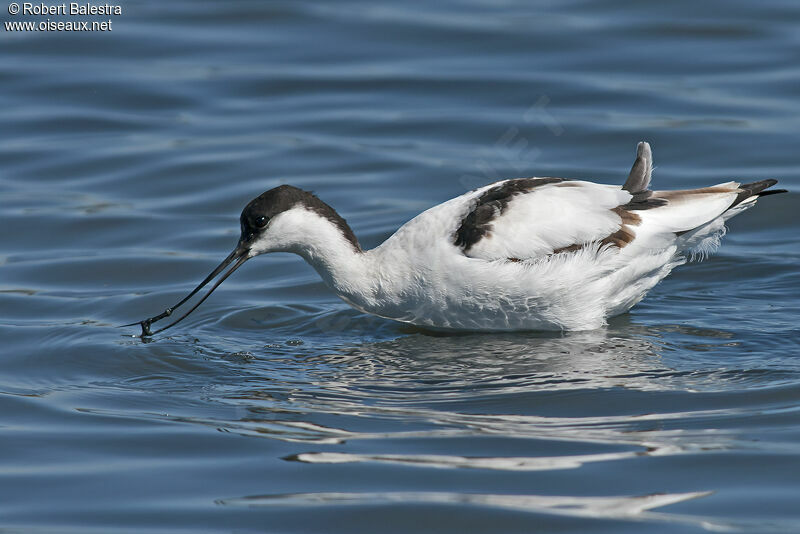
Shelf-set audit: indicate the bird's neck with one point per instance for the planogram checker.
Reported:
(330, 247)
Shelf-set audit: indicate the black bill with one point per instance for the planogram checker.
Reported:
(237, 257)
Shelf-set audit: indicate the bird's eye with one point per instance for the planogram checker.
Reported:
(261, 221)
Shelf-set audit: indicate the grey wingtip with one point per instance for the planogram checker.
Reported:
(641, 172)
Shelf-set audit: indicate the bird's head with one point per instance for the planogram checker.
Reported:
(283, 219)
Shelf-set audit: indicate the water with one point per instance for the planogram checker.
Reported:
(128, 155)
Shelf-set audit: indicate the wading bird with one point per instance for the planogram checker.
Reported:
(519, 254)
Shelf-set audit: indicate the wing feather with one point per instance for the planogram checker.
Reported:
(642, 170)
(550, 218)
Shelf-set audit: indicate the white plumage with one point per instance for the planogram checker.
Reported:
(522, 254)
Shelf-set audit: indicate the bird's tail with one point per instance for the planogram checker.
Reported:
(702, 241)
(755, 190)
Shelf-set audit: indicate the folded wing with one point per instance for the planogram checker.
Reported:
(532, 218)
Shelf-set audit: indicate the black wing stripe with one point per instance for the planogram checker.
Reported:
(477, 224)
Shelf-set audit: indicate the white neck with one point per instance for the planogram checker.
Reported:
(345, 270)
(343, 267)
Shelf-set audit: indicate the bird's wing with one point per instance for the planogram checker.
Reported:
(532, 218)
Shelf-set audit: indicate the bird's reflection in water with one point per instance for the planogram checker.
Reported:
(607, 386)
(599, 398)
(637, 508)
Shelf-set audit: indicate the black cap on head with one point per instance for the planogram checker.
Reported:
(259, 211)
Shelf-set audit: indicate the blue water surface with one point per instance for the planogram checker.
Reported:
(127, 155)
